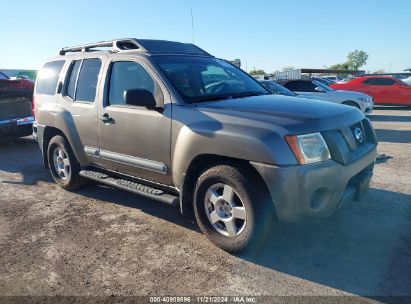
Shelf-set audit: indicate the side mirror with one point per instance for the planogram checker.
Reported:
(140, 98)
(397, 84)
(319, 89)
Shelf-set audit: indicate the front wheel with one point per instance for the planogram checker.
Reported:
(233, 208)
(63, 164)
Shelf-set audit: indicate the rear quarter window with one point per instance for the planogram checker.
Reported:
(48, 77)
(379, 81)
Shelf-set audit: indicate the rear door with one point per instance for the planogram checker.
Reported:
(134, 140)
(78, 97)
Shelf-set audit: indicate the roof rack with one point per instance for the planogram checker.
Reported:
(118, 45)
(140, 45)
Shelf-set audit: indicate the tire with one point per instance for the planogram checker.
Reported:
(352, 104)
(252, 227)
(63, 165)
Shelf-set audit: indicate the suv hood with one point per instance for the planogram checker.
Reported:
(295, 115)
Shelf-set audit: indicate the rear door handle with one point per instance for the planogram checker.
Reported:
(106, 118)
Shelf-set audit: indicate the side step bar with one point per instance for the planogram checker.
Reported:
(123, 184)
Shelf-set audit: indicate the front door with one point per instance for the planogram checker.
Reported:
(134, 140)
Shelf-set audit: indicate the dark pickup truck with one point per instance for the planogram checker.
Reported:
(16, 109)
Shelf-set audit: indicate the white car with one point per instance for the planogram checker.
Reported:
(407, 80)
(313, 89)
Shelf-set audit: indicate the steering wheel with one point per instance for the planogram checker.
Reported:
(221, 87)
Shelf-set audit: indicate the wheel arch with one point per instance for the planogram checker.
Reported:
(352, 103)
(199, 164)
(49, 133)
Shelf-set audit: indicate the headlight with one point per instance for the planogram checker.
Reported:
(365, 99)
(308, 148)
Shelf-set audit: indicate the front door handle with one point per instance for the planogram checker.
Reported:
(106, 118)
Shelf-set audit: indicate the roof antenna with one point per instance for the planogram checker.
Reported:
(192, 23)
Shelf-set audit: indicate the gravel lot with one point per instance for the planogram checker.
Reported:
(101, 241)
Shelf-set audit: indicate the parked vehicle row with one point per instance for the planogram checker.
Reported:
(169, 121)
(313, 89)
(385, 90)
(16, 110)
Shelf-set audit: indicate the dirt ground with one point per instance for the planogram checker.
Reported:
(102, 241)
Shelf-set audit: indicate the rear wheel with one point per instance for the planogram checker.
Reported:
(63, 165)
(233, 209)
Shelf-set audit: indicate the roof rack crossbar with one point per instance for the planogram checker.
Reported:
(118, 45)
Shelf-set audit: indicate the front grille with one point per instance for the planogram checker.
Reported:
(359, 134)
(348, 144)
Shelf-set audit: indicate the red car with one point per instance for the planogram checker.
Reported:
(385, 90)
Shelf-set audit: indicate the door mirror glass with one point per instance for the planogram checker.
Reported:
(140, 98)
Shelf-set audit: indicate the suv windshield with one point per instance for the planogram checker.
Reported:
(200, 79)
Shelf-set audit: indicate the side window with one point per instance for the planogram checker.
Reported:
(71, 88)
(369, 81)
(385, 81)
(127, 75)
(380, 81)
(308, 86)
(82, 82)
(301, 86)
(48, 77)
(87, 80)
(292, 86)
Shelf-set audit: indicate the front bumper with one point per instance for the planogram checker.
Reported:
(316, 190)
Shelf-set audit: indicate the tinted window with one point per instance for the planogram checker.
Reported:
(380, 81)
(127, 75)
(71, 88)
(87, 80)
(48, 77)
(301, 86)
